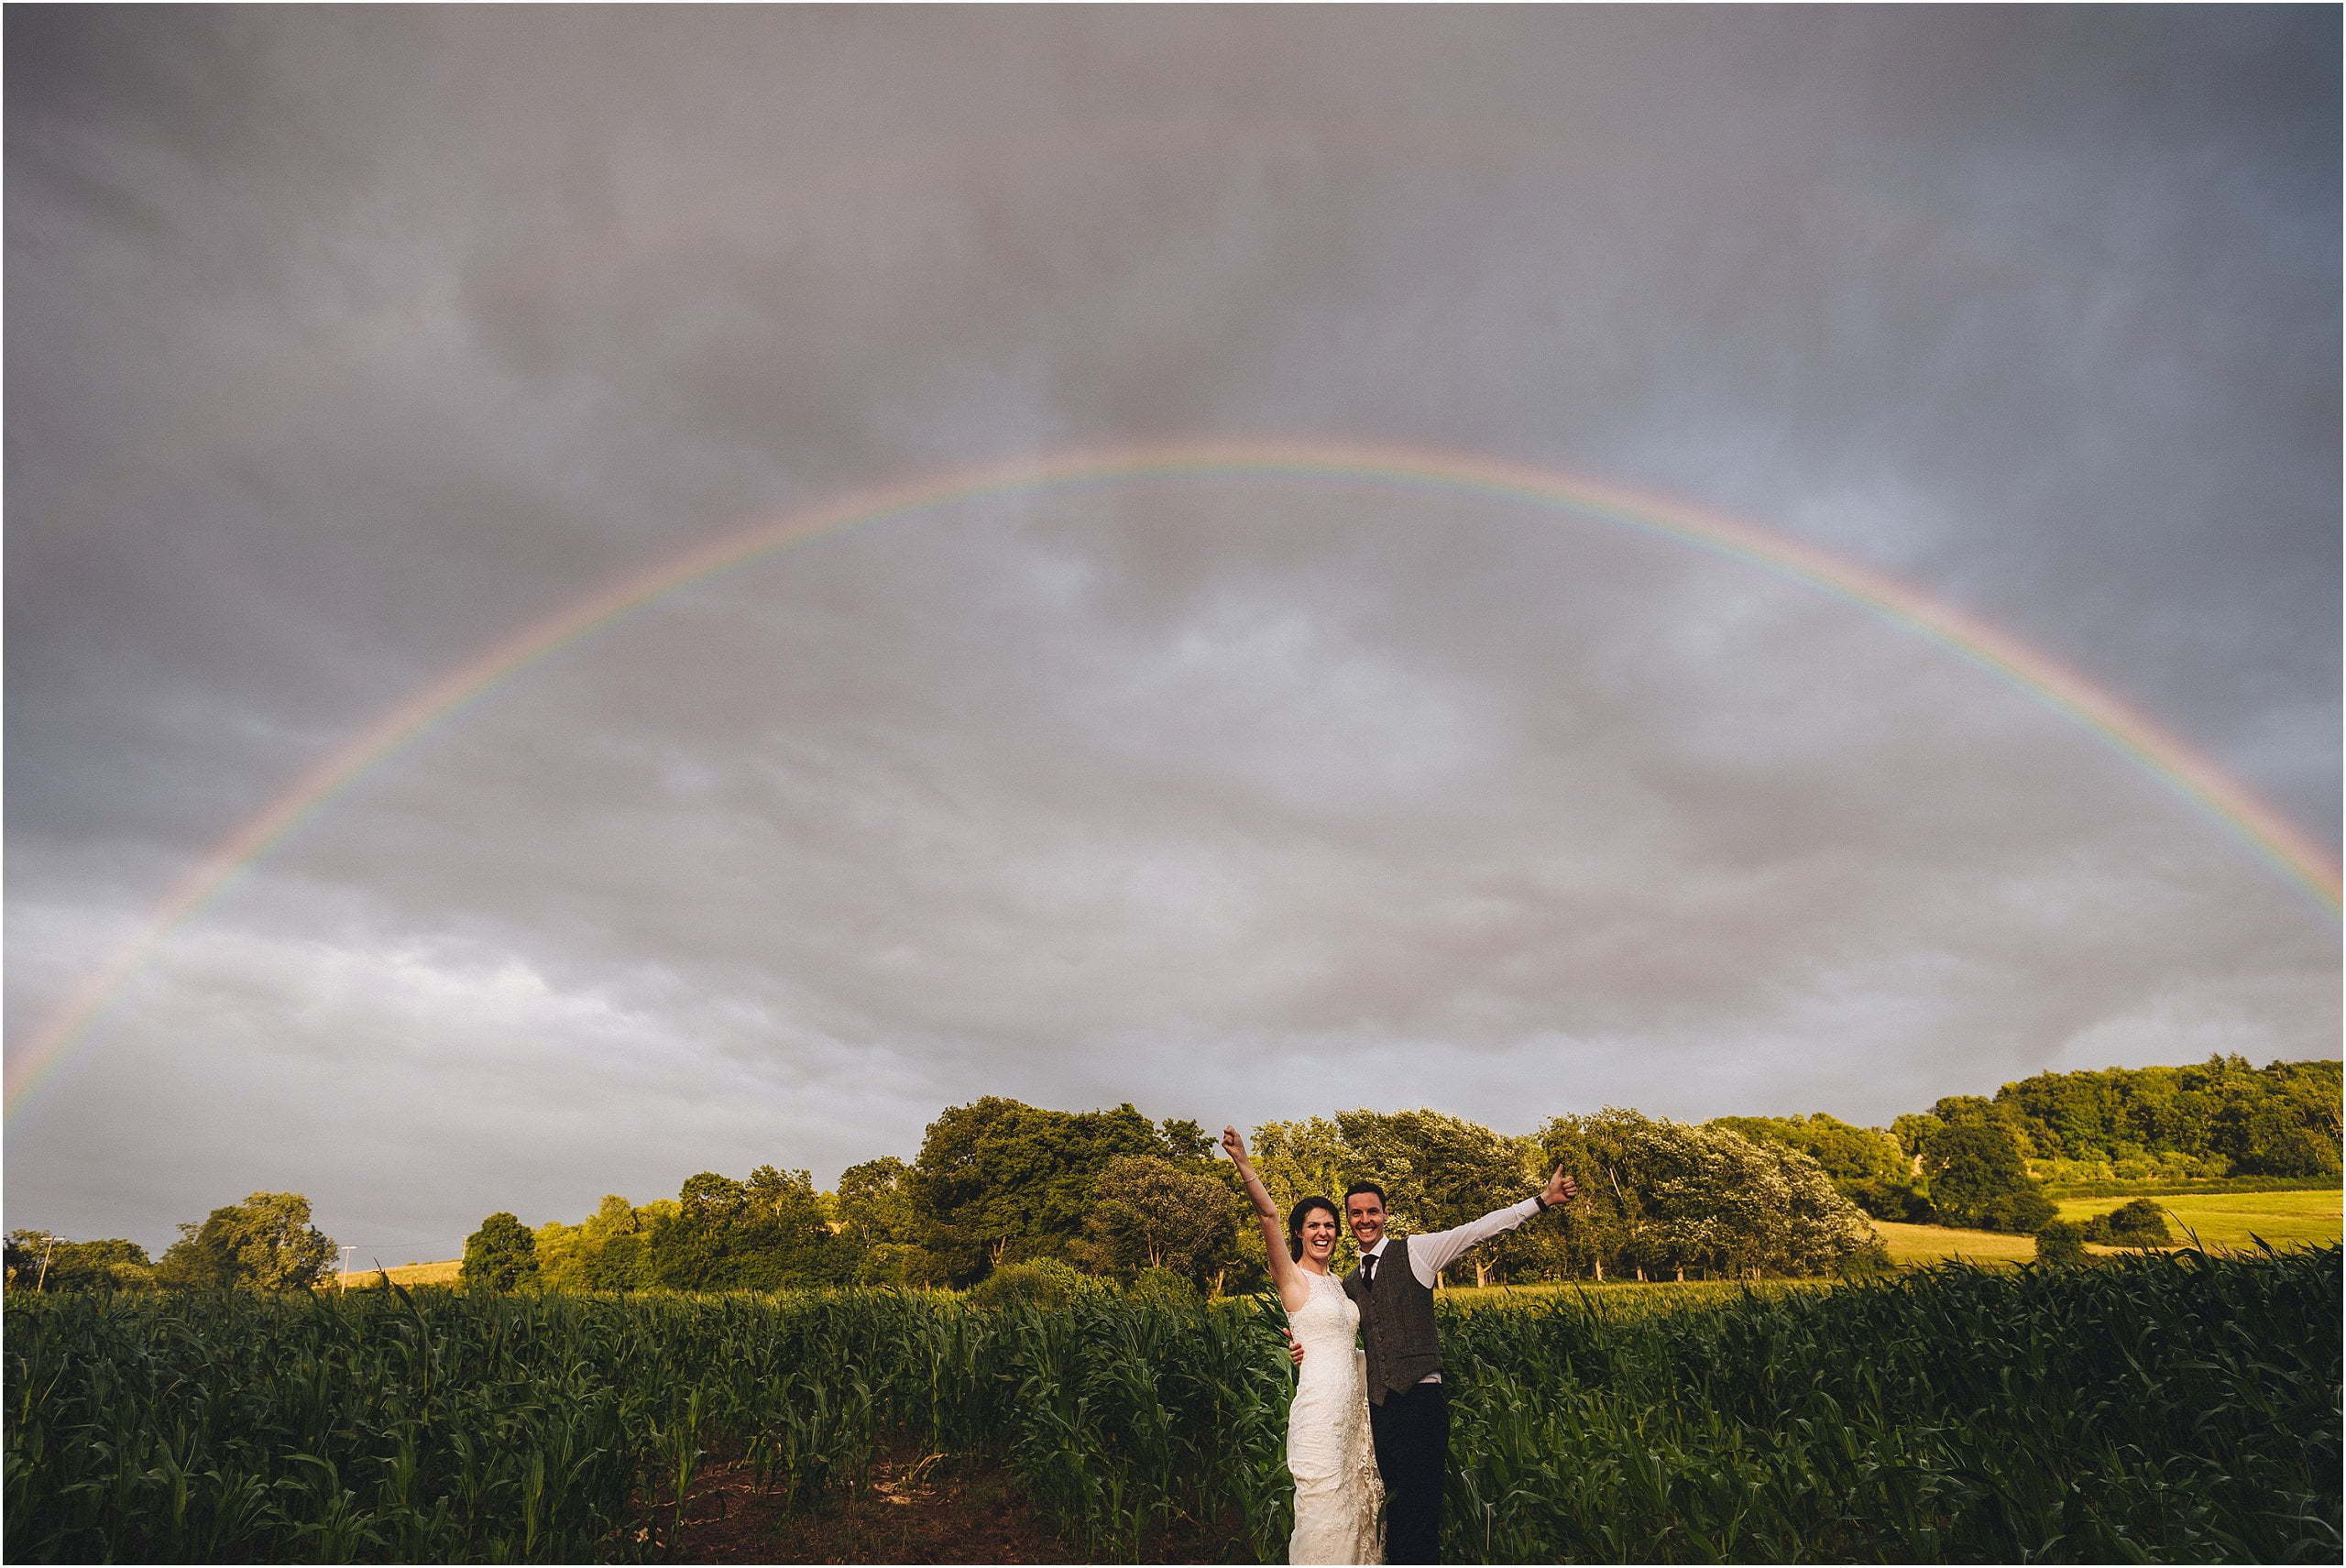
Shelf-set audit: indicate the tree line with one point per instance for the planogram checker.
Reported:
(267, 1243)
(1115, 1195)
(2219, 1117)
(998, 1183)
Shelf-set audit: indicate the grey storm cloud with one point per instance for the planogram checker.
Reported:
(343, 342)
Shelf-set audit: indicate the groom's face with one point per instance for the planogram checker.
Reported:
(1365, 1211)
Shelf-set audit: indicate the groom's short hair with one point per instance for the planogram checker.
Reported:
(1358, 1188)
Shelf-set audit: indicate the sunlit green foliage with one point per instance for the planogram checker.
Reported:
(1979, 1181)
(2212, 1118)
(1866, 1164)
(1152, 1213)
(38, 1261)
(765, 1233)
(610, 1250)
(875, 1203)
(1043, 1282)
(500, 1255)
(266, 1242)
(1660, 1195)
(1656, 1196)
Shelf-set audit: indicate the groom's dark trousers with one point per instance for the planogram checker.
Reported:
(1412, 1434)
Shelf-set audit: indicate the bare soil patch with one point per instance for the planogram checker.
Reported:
(918, 1507)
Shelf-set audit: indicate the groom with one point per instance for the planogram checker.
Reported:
(1408, 1408)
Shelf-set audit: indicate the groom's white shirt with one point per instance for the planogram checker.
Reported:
(1437, 1250)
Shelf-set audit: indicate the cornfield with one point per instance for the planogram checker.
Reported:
(2158, 1408)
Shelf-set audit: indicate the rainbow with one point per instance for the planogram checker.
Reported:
(2197, 781)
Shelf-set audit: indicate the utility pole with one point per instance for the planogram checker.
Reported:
(345, 1268)
(42, 1283)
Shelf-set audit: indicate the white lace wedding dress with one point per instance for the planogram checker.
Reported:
(1337, 1492)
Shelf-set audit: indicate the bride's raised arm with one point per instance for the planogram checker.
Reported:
(1294, 1289)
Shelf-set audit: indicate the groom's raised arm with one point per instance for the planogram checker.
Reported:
(1432, 1253)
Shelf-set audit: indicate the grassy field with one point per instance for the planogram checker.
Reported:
(2234, 1219)
(406, 1273)
(2060, 1191)
(1910, 1244)
(2221, 1219)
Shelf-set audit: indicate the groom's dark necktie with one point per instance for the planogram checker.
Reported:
(1368, 1271)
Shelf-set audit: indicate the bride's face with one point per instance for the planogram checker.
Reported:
(1319, 1235)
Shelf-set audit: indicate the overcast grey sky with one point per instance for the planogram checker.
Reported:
(341, 342)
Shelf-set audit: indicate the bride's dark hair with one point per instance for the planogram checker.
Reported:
(1295, 1223)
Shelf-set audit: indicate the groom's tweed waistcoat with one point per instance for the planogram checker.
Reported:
(1396, 1323)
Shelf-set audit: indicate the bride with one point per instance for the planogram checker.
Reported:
(1328, 1452)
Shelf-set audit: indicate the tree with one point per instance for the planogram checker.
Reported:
(1303, 1159)
(1727, 1204)
(1866, 1164)
(1184, 1140)
(883, 1226)
(2061, 1242)
(2282, 1120)
(1658, 1195)
(560, 1251)
(789, 1231)
(266, 1242)
(998, 1179)
(1591, 1236)
(764, 1234)
(875, 1203)
(1151, 1213)
(2202, 1118)
(114, 1263)
(500, 1255)
(1952, 1108)
(1912, 1131)
(2139, 1224)
(694, 1249)
(623, 1262)
(38, 1260)
(1042, 1282)
(1977, 1179)
(200, 1259)
(26, 1252)
(603, 1252)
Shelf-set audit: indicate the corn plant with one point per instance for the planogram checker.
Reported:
(2154, 1408)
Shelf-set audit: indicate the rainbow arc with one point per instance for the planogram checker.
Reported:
(2198, 780)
